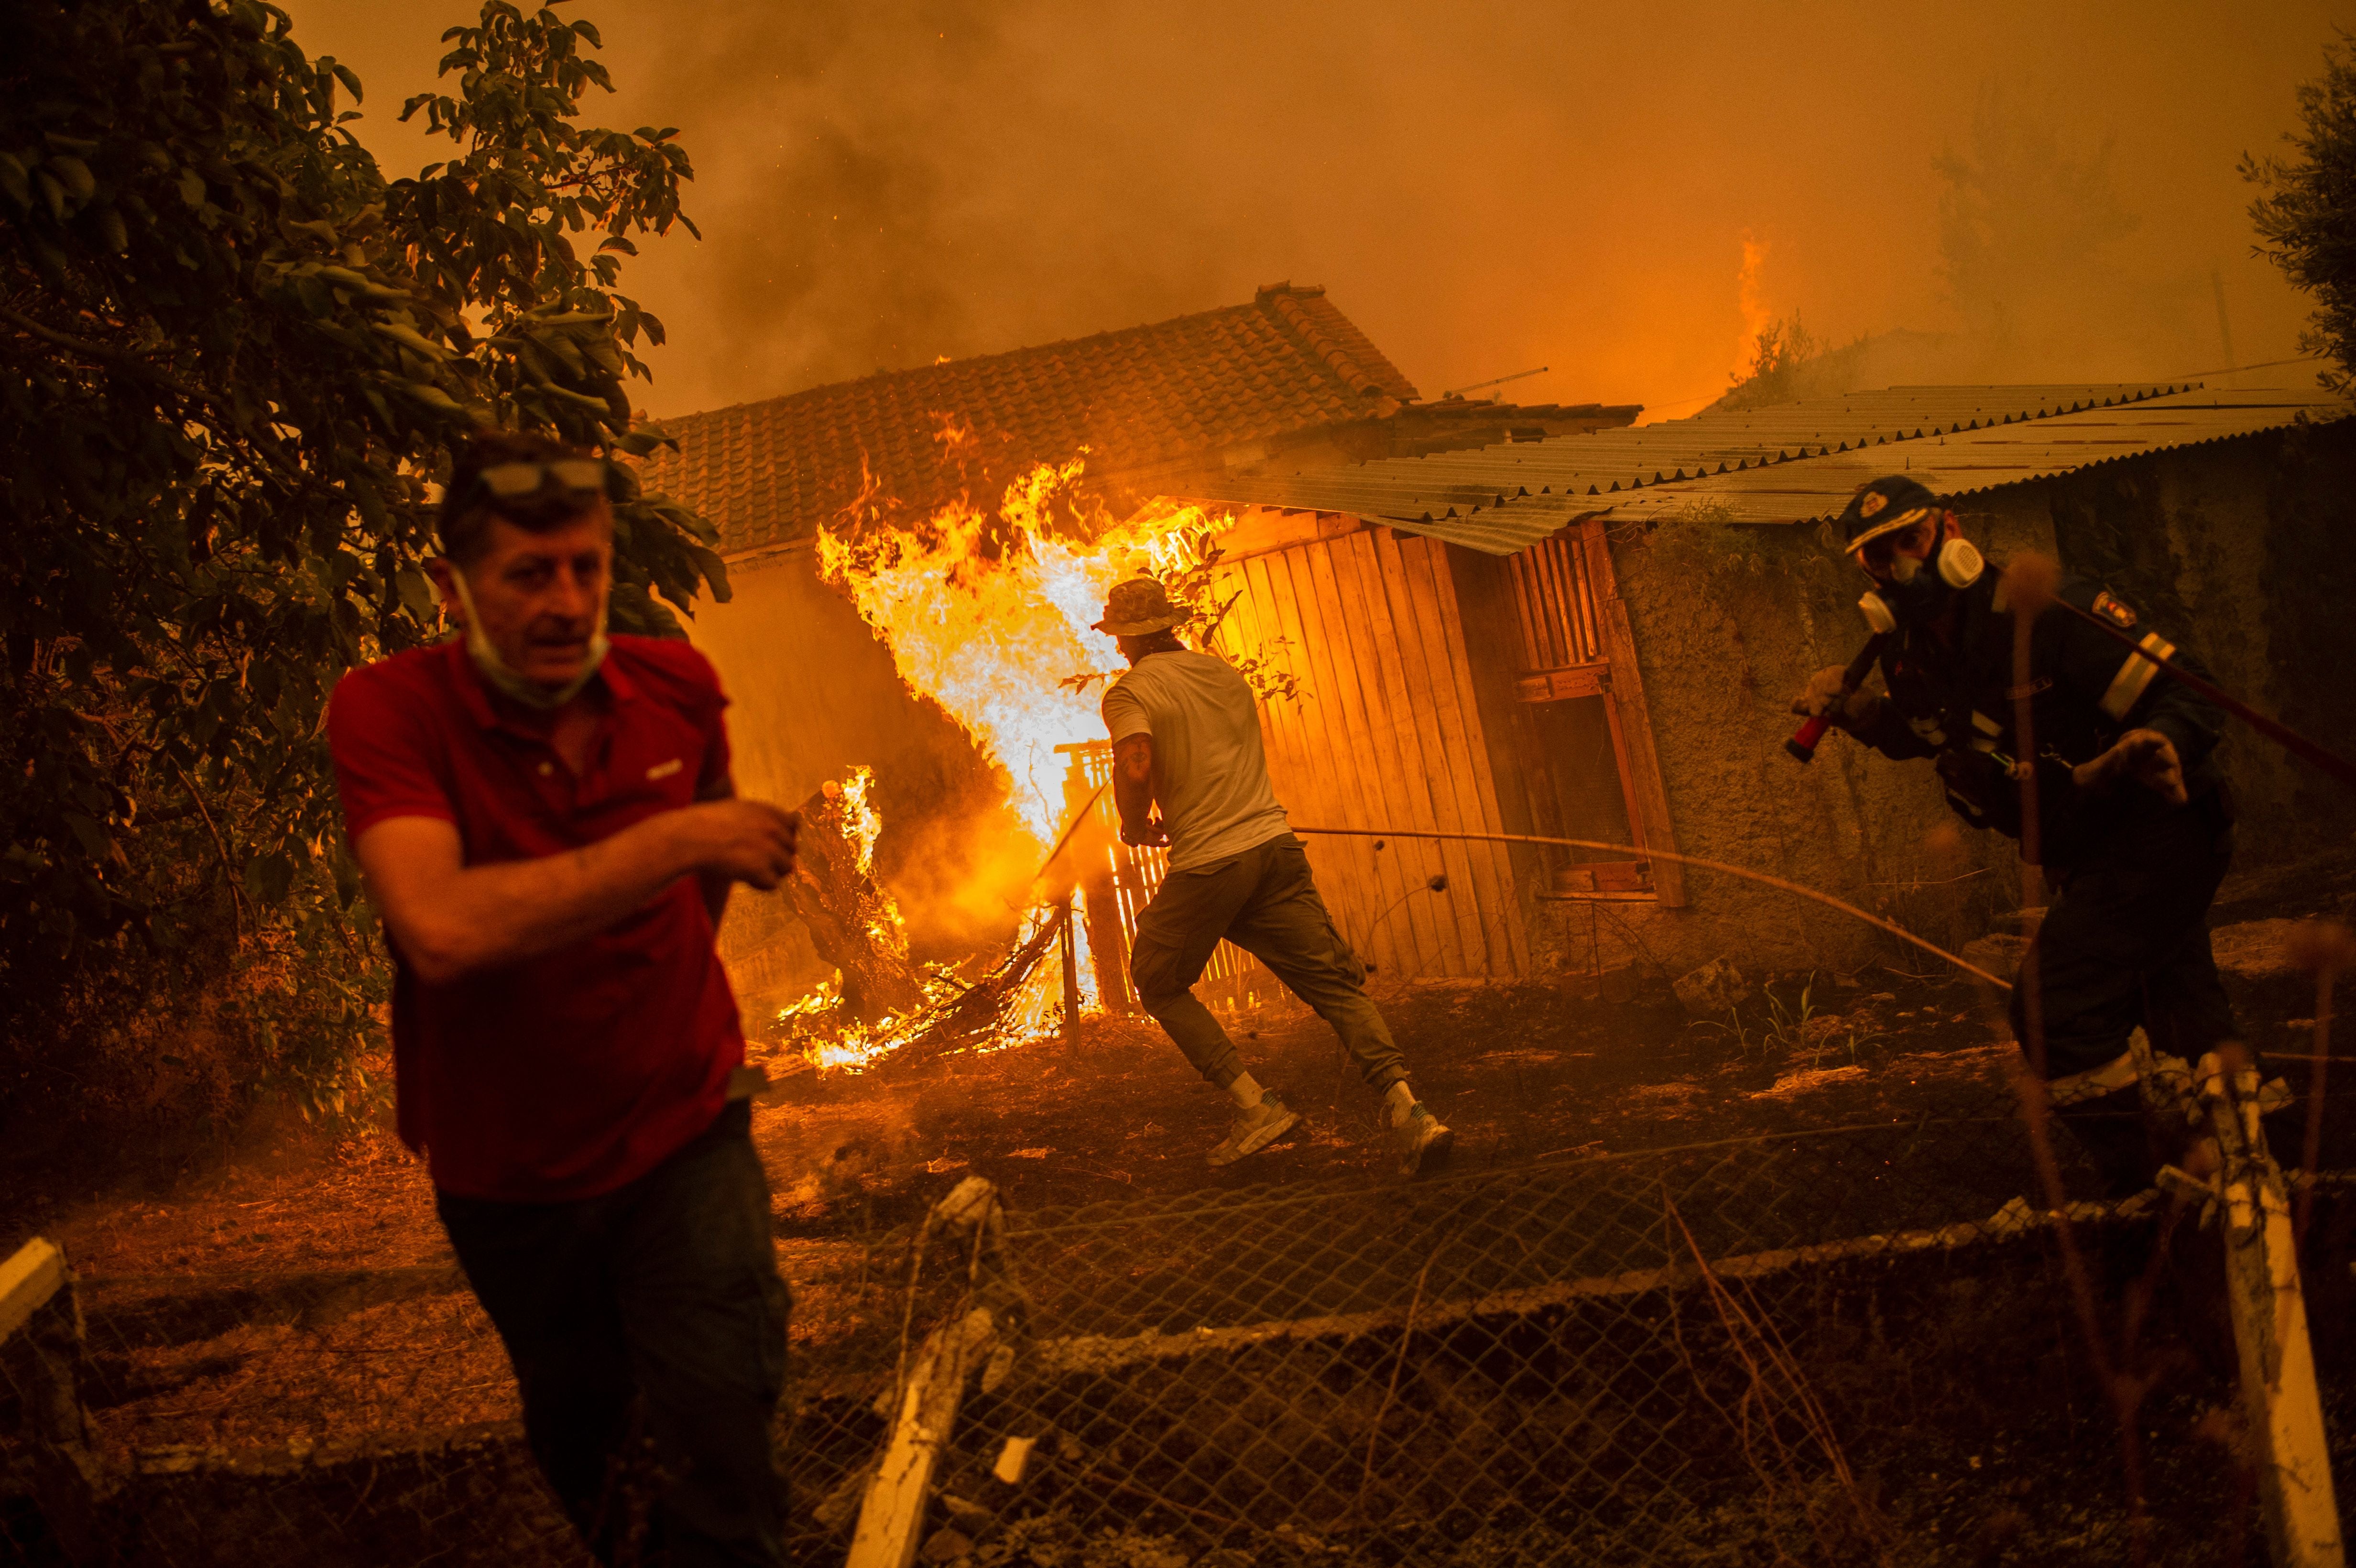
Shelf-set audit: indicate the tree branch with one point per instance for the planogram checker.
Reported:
(236, 893)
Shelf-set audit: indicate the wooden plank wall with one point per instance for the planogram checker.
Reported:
(1384, 732)
(1632, 719)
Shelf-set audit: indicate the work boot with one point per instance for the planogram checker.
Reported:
(1424, 1145)
(1255, 1129)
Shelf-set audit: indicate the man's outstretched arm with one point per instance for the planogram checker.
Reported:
(1132, 790)
(451, 920)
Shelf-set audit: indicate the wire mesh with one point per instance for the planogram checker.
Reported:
(1823, 1344)
(1683, 1355)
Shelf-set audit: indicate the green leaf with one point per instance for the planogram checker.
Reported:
(80, 184)
(433, 397)
(416, 594)
(95, 843)
(268, 878)
(411, 339)
(715, 571)
(15, 181)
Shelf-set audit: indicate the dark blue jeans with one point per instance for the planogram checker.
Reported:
(658, 1303)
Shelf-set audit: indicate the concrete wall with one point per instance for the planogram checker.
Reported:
(2236, 550)
(1730, 622)
(2241, 553)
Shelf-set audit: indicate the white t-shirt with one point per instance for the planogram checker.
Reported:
(1210, 772)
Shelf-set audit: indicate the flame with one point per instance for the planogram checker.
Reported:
(861, 823)
(989, 613)
(814, 1028)
(1751, 296)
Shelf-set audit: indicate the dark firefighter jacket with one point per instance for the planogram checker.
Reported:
(1953, 699)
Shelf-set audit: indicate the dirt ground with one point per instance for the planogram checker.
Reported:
(1520, 1070)
(1533, 1071)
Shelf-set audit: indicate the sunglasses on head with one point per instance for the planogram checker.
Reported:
(513, 481)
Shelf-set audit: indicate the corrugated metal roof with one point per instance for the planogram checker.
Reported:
(1983, 460)
(1791, 462)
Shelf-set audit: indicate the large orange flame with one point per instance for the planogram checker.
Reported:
(989, 613)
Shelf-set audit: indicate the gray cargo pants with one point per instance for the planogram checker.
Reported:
(1264, 901)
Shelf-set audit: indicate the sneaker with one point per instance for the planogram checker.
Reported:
(1424, 1143)
(1255, 1129)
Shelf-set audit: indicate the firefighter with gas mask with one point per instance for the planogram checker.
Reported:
(2135, 827)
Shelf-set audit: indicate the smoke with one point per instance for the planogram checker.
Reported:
(920, 188)
(2045, 274)
(2048, 274)
(2024, 220)
(1483, 187)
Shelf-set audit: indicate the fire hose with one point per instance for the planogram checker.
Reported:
(1696, 860)
(2273, 730)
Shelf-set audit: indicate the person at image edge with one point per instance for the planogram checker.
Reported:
(2134, 820)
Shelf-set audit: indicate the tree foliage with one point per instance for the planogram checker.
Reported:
(235, 359)
(2307, 218)
(1784, 350)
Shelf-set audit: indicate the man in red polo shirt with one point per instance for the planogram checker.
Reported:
(545, 818)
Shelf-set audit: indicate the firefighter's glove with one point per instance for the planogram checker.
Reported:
(1855, 712)
(2145, 756)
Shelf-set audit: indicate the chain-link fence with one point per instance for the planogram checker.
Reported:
(1835, 1344)
(1675, 1357)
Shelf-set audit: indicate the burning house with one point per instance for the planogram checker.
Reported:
(1467, 618)
(915, 557)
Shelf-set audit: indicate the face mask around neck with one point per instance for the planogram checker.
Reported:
(509, 681)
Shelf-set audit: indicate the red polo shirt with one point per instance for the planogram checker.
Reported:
(570, 1074)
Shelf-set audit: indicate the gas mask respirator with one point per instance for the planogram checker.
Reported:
(1918, 589)
(513, 683)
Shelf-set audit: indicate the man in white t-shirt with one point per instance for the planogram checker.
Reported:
(1186, 737)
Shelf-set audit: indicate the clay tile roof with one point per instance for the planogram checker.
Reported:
(1163, 397)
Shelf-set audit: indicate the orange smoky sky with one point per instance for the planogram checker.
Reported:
(1483, 188)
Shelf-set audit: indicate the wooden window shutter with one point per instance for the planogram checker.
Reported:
(1631, 723)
